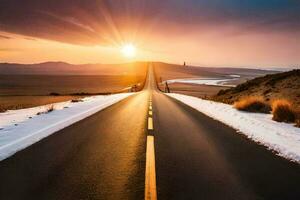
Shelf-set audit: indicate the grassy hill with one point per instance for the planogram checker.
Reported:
(284, 85)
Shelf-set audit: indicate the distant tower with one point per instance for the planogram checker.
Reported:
(184, 64)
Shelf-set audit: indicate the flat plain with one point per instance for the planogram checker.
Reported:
(24, 91)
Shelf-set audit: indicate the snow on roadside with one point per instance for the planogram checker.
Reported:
(12, 117)
(280, 137)
(22, 128)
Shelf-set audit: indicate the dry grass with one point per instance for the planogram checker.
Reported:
(283, 111)
(253, 104)
(20, 102)
(66, 85)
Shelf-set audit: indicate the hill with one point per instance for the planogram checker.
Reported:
(165, 71)
(62, 68)
(284, 85)
(172, 71)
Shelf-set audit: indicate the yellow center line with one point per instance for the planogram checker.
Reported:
(150, 175)
(150, 123)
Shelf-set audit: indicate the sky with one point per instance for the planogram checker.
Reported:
(242, 33)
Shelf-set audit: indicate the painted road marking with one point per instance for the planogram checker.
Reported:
(150, 123)
(150, 179)
(150, 174)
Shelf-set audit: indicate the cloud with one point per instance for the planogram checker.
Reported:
(5, 37)
(93, 22)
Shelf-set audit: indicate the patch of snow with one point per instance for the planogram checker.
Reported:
(278, 69)
(235, 76)
(22, 128)
(281, 137)
(205, 81)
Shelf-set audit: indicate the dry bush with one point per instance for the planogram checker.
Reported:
(76, 100)
(49, 109)
(253, 104)
(297, 123)
(283, 111)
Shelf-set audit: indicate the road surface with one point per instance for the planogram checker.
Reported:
(104, 157)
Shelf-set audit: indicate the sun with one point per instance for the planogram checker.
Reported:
(128, 50)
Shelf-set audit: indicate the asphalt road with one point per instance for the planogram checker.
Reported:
(103, 157)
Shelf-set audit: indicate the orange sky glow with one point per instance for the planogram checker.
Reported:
(75, 36)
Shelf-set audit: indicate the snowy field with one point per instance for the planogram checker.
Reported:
(207, 81)
(280, 137)
(22, 128)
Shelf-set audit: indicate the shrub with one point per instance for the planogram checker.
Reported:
(49, 109)
(76, 100)
(221, 92)
(54, 94)
(283, 111)
(298, 123)
(253, 104)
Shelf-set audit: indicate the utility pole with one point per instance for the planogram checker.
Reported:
(167, 89)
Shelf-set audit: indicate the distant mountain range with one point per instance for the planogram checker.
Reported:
(62, 68)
